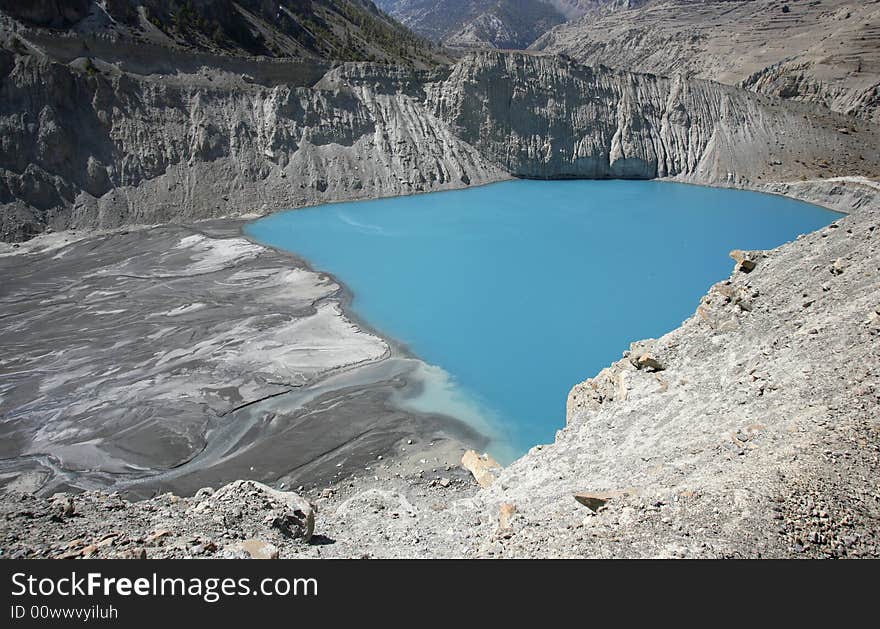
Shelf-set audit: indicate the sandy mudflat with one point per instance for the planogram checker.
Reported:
(177, 357)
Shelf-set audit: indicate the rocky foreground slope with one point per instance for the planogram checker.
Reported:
(750, 431)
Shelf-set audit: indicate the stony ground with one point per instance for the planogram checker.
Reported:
(379, 513)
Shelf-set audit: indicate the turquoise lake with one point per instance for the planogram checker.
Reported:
(515, 291)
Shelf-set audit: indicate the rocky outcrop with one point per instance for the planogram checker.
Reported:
(481, 467)
(285, 513)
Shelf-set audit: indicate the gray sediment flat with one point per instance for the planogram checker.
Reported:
(176, 357)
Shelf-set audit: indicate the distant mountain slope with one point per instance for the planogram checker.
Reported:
(349, 30)
(822, 51)
(486, 23)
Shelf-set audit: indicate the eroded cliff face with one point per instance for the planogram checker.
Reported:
(87, 144)
(546, 116)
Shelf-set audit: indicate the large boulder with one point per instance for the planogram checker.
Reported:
(642, 356)
(746, 261)
(258, 510)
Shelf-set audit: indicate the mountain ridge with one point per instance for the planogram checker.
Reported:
(825, 51)
(336, 30)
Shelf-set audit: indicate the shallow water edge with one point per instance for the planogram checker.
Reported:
(465, 403)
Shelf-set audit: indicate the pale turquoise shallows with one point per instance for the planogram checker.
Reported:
(519, 290)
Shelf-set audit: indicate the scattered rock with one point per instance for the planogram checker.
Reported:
(480, 466)
(290, 514)
(64, 505)
(649, 362)
(107, 540)
(157, 535)
(837, 267)
(641, 356)
(593, 502)
(255, 549)
(505, 515)
(746, 261)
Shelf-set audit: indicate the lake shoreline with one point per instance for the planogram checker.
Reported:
(234, 227)
(200, 419)
(713, 489)
(396, 254)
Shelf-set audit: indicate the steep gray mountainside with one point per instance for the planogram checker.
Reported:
(819, 51)
(348, 30)
(750, 431)
(88, 142)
